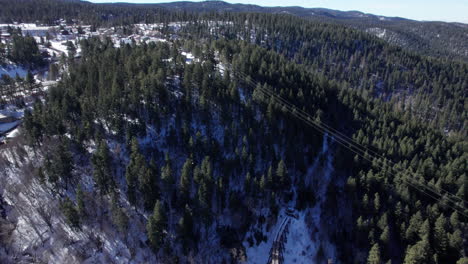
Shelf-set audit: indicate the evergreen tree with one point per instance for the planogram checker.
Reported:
(248, 183)
(32, 127)
(134, 168)
(80, 202)
(147, 185)
(374, 255)
(440, 236)
(70, 212)
(417, 254)
(167, 176)
(204, 195)
(185, 227)
(24, 50)
(102, 163)
(60, 166)
(40, 175)
(53, 72)
(119, 217)
(263, 183)
(156, 226)
(186, 180)
(30, 81)
(282, 174)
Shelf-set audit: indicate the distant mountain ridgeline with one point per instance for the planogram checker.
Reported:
(433, 38)
(49, 11)
(438, 39)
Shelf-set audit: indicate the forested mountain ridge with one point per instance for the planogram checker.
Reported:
(433, 89)
(432, 38)
(119, 128)
(49, 11)
(175, 150)
(196, 166)
(439, 39)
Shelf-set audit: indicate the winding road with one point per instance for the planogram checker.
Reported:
(276, 252)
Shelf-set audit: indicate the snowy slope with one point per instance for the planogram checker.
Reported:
(40, 230)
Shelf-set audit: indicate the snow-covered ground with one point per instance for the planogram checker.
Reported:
(17, 112)
(379, 32)
(299, 247)
(32, 235)
(189, 57)
(59, 46)
(40, 232)
(259, 254)
(305, 238)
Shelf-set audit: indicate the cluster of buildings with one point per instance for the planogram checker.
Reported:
(63, 32)
(55, 40)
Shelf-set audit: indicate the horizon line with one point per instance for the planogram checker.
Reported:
(138, 2)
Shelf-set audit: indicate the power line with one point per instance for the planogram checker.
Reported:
(338, 135)
(414, 184)
(347, 139)
(354, 146)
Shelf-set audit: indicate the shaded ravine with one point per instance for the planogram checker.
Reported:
(302, 240)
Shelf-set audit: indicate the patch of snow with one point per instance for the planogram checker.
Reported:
(12, 134)
(189, 57)
(382, 34)
(221, 68)
(305, 236)
(260, 254)
(155, 40)
(379, 32)
(320, 185)
(59, 46)
(299, 247)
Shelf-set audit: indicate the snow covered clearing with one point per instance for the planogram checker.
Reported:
(379, 32)
(40, 230)
(316, 239)
(299, 247)
(258, 254)
(59, 46)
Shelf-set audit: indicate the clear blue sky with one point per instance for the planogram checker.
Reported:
(443, 10)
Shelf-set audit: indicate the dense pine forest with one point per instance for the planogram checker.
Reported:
(193, 161)
(432, 38)
(433, 88)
